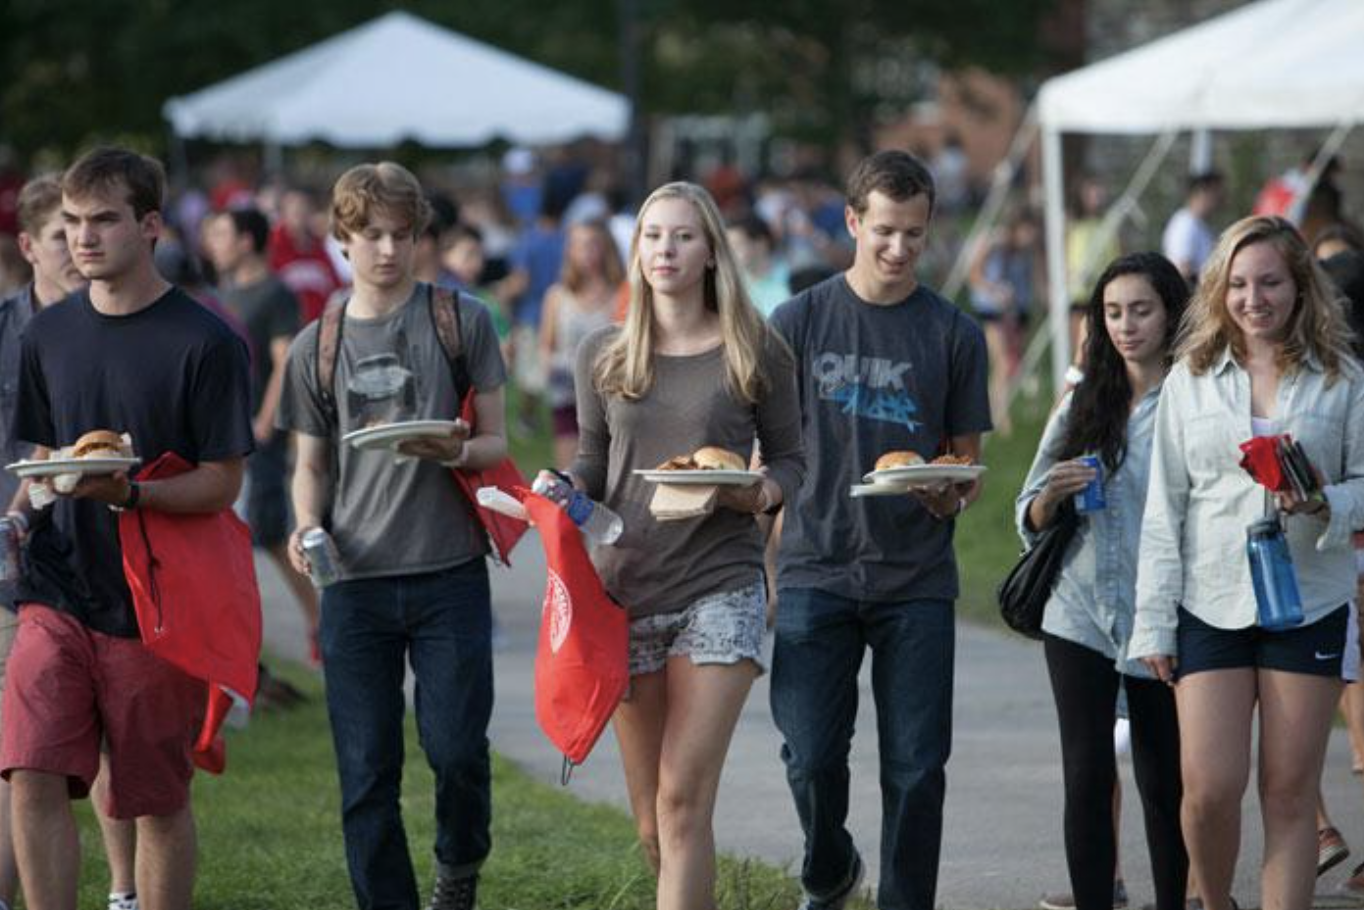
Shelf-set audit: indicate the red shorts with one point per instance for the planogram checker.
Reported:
(69, 689)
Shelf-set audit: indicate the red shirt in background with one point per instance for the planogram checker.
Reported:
(307, 270)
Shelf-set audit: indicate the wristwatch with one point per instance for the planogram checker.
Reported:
(134, 494)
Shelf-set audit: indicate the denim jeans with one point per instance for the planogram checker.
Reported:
(441, 622)
(820, 641)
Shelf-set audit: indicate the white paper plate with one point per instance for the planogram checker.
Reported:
(924, 474)
(702, 478)
(859, 490)
(389, 435)
(54, 466)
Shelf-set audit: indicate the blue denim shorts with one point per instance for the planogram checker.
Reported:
(722, 628)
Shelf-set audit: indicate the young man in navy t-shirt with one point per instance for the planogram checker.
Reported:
(884, 364)
(135, 355)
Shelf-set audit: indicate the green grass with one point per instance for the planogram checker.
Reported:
(270, 834)
(986, 543)
(530, 451)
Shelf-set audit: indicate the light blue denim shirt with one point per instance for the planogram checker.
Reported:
(1193, 536)
(1095, 595)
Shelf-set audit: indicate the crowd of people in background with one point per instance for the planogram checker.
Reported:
(719, 313)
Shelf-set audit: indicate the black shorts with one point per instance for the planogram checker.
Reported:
(1316, 650)
(267, 501)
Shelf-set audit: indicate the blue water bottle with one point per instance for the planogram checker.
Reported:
(1271, 571)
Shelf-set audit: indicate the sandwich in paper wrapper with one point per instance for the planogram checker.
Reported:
(674, 503)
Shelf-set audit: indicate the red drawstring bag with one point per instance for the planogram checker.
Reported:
(582, 663)
(504, 532)
(193, 582)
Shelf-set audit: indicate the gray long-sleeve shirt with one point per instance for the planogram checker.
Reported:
(660, 567)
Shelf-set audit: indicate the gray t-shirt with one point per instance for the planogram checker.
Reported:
(388, 518)
(269, 311)
(660, 567)
(874, 379)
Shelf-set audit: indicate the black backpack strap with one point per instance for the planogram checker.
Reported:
(445, 317)
(330, 325)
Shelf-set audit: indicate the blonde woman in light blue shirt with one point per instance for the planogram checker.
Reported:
(1264, 350)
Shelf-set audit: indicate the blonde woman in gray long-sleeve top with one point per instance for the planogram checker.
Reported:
(1264, 351)
(693, 366)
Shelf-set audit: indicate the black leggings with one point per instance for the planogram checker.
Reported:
(1085, 685)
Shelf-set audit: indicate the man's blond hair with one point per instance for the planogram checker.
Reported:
(384, 187)
(39, 200)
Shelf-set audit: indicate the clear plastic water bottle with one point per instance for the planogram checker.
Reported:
(1271, 571)
(596, 521)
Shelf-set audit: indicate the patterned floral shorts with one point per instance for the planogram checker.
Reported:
(722, 628)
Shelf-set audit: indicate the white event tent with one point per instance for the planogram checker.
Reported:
(400, 78)
(1272, 64)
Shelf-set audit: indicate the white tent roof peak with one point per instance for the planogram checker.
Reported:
(395, 78)
(1268, 64)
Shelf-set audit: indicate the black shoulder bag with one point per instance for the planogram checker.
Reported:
(1025, 590)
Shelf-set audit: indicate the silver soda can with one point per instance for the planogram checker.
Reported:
(324, 563)
(9, 550)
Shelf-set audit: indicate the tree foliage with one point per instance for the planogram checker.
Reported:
(72, 71)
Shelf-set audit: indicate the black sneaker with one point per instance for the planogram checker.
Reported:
(454, 893)
(839, 899)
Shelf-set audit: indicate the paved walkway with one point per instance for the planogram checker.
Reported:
(1002, 844)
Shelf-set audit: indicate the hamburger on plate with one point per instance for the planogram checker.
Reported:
(706, 458)
(100, 444)
(903, 459)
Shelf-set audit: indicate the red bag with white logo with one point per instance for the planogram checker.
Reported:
(582, 663)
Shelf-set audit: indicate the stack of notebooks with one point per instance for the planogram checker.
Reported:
(1297, 468)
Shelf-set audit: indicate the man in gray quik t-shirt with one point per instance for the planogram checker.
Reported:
(884, 364)
(415, 582)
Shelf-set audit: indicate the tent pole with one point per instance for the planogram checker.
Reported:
(1200, 152)
(1324, 154)
(1117, 213)
(1055, 211)
(1000, 182)
(1126, 202)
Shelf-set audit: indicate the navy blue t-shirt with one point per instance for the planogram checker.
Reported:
(875, 379)
(172, 376)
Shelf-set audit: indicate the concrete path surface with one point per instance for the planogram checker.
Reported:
(1002, 845)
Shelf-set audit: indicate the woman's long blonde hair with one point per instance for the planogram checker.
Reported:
(625, 367)
(1317, 326)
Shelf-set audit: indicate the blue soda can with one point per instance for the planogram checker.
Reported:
(1091, 498)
